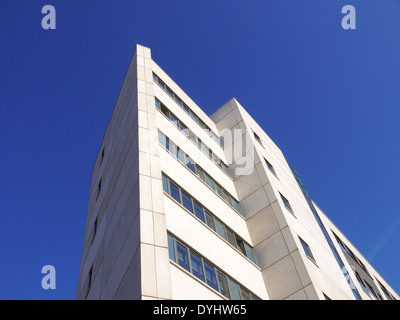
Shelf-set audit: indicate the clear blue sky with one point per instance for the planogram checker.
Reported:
(329, 98)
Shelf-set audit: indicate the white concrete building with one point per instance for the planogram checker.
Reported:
(189, 206)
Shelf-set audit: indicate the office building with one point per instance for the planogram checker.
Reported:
(185, 205)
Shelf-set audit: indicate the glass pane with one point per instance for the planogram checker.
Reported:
(159, 81)
(235, 205)
(193, 115)
(171, 248)
(215, 158)
(165, 184)
(169, 91)
(202, 124)
(158, 106)
(198, 211)
(178, 100)
(205, 149)
(173, 119)
(226, 197)
(219, 190)
(234, 290)
(240, 245)
(186, 108)
(231, 237)
(223, 285)
(249, 253)
(224, 167)
(192, 136)
(165, 111)
(181, 155)
(197, 266)
(245, 294)
(208, 180)
(190, 164)
(210, 221)
(182, 256)
(161, 138)
(200, 172)
(171, 147)
(220, 228)
(184, 128)
(166, 143)
(211, 279)
(215, 137)
(187, 201)
(174, 192)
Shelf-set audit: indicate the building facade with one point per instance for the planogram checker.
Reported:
(189, 206)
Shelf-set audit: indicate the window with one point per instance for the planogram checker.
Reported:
(162, 139)
(171, 147)
(198, 212)
(200, 172)
(326, 297)
(94, 228)
(211, 278)
(184, 129)
(165, 111)
(370, 289)
(178, 100)
(181, 155)
(174, 192)
(98, 189)
(190, 164)
(245, 294)
(235, 205)
(230, 237)
(307, 249)
(287, 204)
(192, 136)
(193, 115)
(165, 184)
(386, 292)
(90, 277)
(249, 252)
(210, 220)
(186, 108)
(270, 167)
(197, 266)
(193, 206)
(225, 168)
(240, 245)
(158, 104)
(206, 272)
(219, 190)
(223, 285)
(187, 201)
(226, 197)
(102, 156)
(171, 248)
(169, 91)
(220, 228)
(257, 138)
(361, 282)
(173, 119)
(89, 280)
(182, 255)
(205, 149)
(208, 180)
(234, 290)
